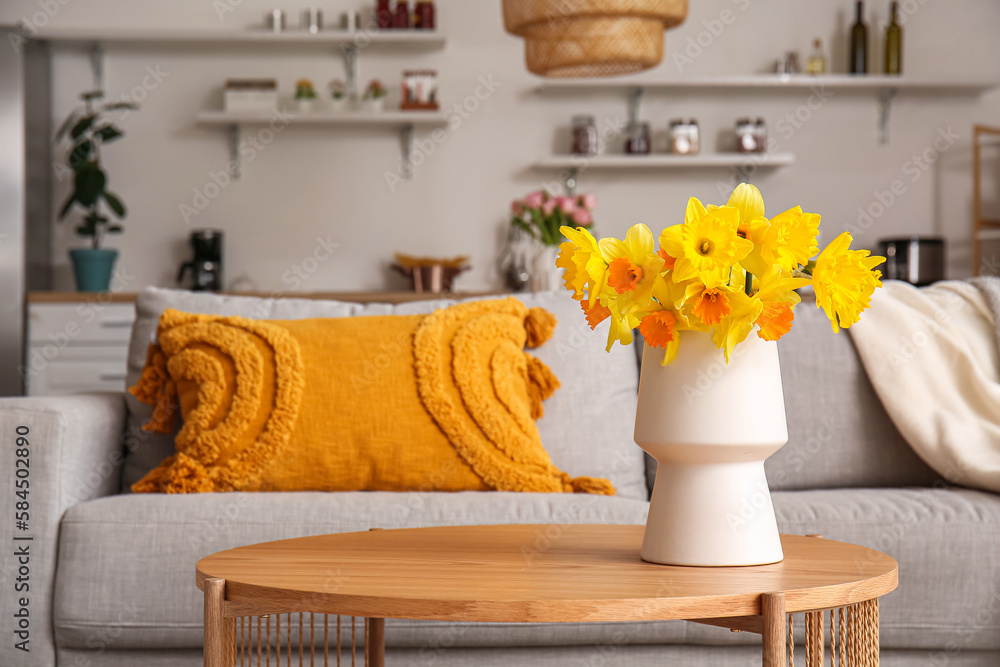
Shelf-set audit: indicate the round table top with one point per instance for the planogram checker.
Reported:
(531, 573)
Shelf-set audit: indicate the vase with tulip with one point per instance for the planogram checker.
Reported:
(541, 215)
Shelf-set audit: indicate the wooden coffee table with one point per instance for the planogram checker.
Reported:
(290, 597)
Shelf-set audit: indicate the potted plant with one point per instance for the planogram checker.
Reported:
(305, 95)
(89, 129)
(374, 97)
(338, 95)
(541, 214)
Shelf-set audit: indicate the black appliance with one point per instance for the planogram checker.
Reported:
(206, 267)
(915, 259)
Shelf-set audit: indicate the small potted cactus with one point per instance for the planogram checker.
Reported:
(374, 97)
(305, 95)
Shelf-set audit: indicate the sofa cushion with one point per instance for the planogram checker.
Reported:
(127, 562)
(587, 427)
(839, 435)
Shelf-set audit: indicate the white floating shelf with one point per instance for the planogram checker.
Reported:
(430, 38)
(776, 82)
(404, 122)
(397, 119)
(623, 162)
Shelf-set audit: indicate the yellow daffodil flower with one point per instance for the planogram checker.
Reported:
(775, 290)
(790, 239)
(706, 245)
(621, 324)
(633, 267)
(660, 330)
(844, 281)
(734, 329)
(749, 202)
(708, 304)
(587, 261)
(574, 279)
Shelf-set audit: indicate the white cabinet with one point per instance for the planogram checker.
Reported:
(77, 347)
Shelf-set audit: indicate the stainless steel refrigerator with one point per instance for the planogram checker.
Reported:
(25, 195)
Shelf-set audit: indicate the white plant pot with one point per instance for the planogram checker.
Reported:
(338, 106)
(545, 275)
(374, 106)
(306, 105)
(710, 427)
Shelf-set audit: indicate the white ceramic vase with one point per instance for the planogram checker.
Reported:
(710, 427)
(376, 105)
(338, 105)
(305, 104)
(545, 275)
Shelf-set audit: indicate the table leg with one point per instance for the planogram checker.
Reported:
(376, 638)
(220, 632)
(772, 608)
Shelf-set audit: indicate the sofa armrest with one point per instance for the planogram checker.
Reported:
(54, 453)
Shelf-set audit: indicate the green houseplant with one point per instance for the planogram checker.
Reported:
(88, 129)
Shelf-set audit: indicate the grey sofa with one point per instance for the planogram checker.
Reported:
(112, 574)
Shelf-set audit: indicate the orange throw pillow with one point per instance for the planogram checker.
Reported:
(443, 402)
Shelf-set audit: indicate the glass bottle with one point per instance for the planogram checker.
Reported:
(817, 60)
(858, 50)
(383, 13)
(423, 15)
(401, 17)
(894, 42)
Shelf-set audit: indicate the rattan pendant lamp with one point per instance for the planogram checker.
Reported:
(591, 38)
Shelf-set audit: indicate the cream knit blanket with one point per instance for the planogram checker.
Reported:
(932, 356)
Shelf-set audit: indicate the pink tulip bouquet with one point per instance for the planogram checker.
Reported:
(541, 215)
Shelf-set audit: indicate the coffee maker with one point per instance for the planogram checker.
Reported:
(206, 267)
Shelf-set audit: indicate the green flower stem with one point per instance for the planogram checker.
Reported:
(749, 284)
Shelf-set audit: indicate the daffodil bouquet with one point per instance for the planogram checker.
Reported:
(726, 270)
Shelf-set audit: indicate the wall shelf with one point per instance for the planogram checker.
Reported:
(405, 122)
(776, 82)
(397, 119)
(349, 42)
(885, 87)
(654, 162)
(570, 166)
(426, 38)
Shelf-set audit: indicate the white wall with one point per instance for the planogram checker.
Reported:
(323, 182)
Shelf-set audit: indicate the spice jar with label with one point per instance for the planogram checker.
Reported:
(637, 139)
(684, 137)
(746, 137)
(423, 15)
(760, 135)
(584, 136)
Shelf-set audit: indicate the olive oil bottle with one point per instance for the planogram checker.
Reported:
(894, 42)
(858, 51)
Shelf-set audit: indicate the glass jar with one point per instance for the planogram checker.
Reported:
(746, 137)
(638, 140)
(760, 135)
(584, 136)
(694, 137)
(423, 15)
